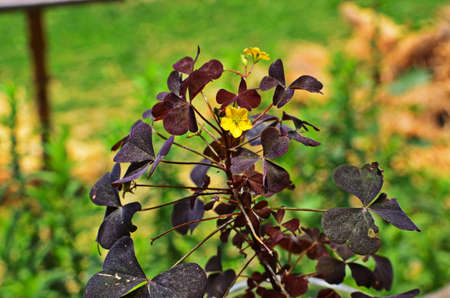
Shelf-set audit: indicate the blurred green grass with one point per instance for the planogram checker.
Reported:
(96, 50)
(99, 53)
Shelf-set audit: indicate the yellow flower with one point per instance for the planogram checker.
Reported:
(235, 121)
(256, 54)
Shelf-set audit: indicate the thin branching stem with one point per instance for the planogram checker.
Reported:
(245, 143)
(184, 147)
(263, 113)
(235, 72)
(239, 274)
(192, 163)
(192, 222)
(195, 188)
(182, 199)
(206, 120)
(300, 209)
(252, 229)
(210, 134)
(210, 108)
(203, 241)
(300, 256)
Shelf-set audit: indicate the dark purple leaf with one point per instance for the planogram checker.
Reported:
(138, 147)
(119, 143)
(390, 210)
(103, 193)
(161, 95)
(198, 79)
(182, 281)
(213, 68)
(343, 251)
(255, 131)
(242, 85)
(352, 226)
(293, 135)
(299, 124)
(121, 258)
(295, 285)
(327, 293)
(332, 270)
(384, 273)
(243, 161)
(238, 240)
(277, 95)
(148, 114)
(115, 173)
(218, 283)
(408, 294)
(292, 225)
(183, 212)
(174, 83)
(248, 99)
(276, 71)
(121, 273)
(134, 171)
(178, 119)
(224, 208)
(198, 173)
(117, 224)
(192, 120)
(307, 83)
(283, 98)
(362, 275)
(159, 110)
(225, 97)
(279, 215)
(268, 83)
(274, 145)
(359, 295)
(161, 154)
(184, 65)
(265, 293)
(215, 262)
(365, 183)
(275, 178)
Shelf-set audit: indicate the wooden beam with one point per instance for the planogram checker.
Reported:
(37, 44)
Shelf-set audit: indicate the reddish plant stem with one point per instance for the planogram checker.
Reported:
(300, 209)
(192, 222)
(245, 143)
(235, 72)
(195, 188)
(263, 113)
(235, 196)
(202, 242)
(182, 199)
(210, 108)
(239, 274)
(184, 147)
(206, 120)
(192, 163)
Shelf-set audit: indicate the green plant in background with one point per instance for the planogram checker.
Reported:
(39, 256)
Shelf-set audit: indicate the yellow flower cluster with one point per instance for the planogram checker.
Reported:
(235, 121)
(256, 54)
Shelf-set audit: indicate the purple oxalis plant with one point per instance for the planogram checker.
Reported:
(245, 149)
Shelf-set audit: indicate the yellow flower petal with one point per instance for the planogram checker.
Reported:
(229, 111)
(245, 125)
(242, 114)
(235, 131)
(226, 123)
